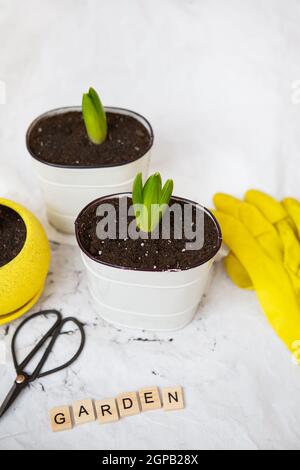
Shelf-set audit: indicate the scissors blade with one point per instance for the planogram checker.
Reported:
(11, 397)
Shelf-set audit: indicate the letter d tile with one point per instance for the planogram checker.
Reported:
(128, 404)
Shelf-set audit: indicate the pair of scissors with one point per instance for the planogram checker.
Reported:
(23, 378)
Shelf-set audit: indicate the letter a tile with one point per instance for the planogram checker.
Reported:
(83, 411)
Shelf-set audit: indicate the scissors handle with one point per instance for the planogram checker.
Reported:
(19, 367)
(38, 374)
(23, 378)
(52, 333)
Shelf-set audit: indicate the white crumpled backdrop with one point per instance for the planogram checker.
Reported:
(218, 81)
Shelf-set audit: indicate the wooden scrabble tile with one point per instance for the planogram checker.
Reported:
(128, 404)
(173, 398)
(107, 410)
(83, 411)
(149, 398)
(60, 419)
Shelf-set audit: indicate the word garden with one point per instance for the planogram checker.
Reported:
(112, 409)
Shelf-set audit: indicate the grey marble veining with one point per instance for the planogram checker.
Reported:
(216, 81)
(224, 378)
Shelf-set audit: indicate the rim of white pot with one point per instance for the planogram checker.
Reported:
(112, 109)
(177, 198)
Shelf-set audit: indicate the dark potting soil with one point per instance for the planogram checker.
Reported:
(62, 139)
(145, 254)
(12, 234)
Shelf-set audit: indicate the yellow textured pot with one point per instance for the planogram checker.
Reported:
(22, 279)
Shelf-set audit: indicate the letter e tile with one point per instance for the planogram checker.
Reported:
(149, 398)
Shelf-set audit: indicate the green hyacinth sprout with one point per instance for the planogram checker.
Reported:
(94, 117)
(150, 201)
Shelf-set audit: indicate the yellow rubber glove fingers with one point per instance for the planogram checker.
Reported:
(267, 205)
(273, 210)
(262, 230)
(258, 225)
(272, 283)
(292, 206)
(291, 252)
(237, 272)
(242, 244)
(227, 204)
(280, 304)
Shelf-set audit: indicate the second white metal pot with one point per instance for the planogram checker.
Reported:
(147, 300)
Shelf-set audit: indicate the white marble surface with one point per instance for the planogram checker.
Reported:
(216, 80)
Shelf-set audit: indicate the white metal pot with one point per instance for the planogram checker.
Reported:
(147, 300)
(67, 189)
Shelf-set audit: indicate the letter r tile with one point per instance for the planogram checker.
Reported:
(107, 411)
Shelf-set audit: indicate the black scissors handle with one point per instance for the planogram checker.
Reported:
(37, 373)
(54, 333)
(20, 367)
(23, 378)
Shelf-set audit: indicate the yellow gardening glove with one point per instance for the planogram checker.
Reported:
(283, 216)
(263, 236)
